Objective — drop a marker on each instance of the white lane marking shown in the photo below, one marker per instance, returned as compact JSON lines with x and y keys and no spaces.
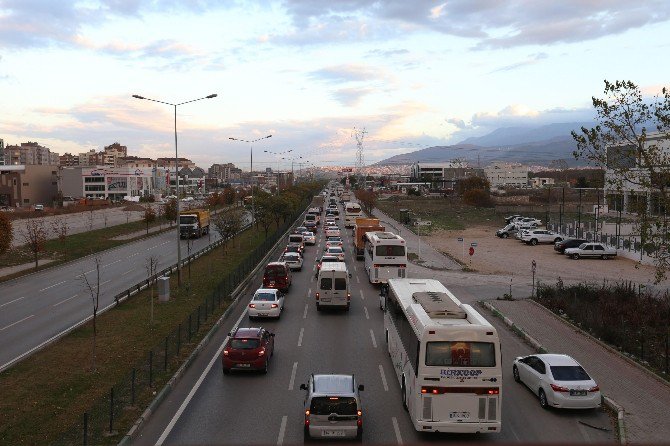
{"x":197,"y":385}
{"x":65,"y":300}
{"x":106,"y":281}
{"x":17,"y":322}
{"x":362,"y":296}
{"x":384,"y":383}
{"x":82,"y":275}
{"x":374,"y":341}
{"x":355,"y":268}
{"x":302,"y":332}
{"x":367,"y":316}
{"x":304,"y":315}
{"x":137,"y":253}
{"x":115,"y":261}
{"x":292,"y":381}
{"x":152,"y":247}
{"x":309,"y":293}
{"x":128,"y":272}
{"x":282,"y":429}
{"x":396,"y":428}
{"x":59,"y":283}
{"x":314,"y":267}
{"x":311,"y":279}
{"x":358,"y":280}
{"x":12,"y":301}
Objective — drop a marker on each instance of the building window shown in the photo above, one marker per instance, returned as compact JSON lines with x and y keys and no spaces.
{"x":26,"y":200}
{"x":94,"y":179}
{"x":54,"y":183}
{"x":26,"y":184}
{"x":95,"y":188}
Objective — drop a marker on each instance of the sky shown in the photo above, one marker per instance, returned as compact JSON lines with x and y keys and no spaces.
{"x":312,"y":73}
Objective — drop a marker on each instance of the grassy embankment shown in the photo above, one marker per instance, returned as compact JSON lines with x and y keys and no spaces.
{"x":48,"y":392}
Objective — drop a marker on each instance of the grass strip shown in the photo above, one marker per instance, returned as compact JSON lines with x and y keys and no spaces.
{"x":47,"y":393}
{"x":444,"y":213}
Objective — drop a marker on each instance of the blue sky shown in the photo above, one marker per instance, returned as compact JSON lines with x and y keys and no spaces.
{"x":413,"y":73}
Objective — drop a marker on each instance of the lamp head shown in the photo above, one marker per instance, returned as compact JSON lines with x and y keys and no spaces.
{"x":211,"y":96}
{"x":137,"y":96}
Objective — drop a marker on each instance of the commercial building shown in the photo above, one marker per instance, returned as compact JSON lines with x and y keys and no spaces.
{"x":113,"y":183}
{"x":538,"y":182}
{"x":442,"y":175}
{"x":26,"y":185}
{"x":501,"y":174}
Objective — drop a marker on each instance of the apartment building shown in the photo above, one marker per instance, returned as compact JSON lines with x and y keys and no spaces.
{"x":501,"y":174}
{"x":24,"y":185}
{"x":29,"y":153}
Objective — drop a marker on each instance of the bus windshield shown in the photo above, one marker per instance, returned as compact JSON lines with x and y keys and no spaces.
{"x":460,"y":354}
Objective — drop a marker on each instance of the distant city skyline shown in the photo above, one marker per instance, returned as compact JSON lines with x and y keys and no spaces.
{"x":414,"y":74}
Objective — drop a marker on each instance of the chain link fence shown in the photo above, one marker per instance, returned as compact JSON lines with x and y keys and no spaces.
{"x":110,"y":417}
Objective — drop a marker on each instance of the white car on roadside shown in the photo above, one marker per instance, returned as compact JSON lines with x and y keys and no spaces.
{"x":528,"y":223}
{"x":266,"y":302}
{"x":591,"y":250}
{"x":557,"y":380}
{"x":535,"y":236}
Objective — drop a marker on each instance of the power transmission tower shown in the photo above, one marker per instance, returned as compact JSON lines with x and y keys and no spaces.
{"x":359,"y":135}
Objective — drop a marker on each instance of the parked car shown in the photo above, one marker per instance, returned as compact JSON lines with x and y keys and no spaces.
{"x":591,"y":250}
{"x":266,"y":302}
{"x":336,"y":251}
{"x":508,"y":231}
{"x":310,"y":238}
{"x":277,"y":275}
{"x":558,"y":381}
{"x":568,"y":243}
{"x":293,"y":260}
{"x":509,"y":219}
{"x":332,"y":407}
{"x":528,"y":223}
{"x":39,"y":207}
{"x":520,"y":233}
{"x":535,"y":236}
{"x":248,"y":349}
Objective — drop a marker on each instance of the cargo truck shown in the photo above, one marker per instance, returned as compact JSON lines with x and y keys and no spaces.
{"x":193,"y":223}
{"x":317,"y":202}
{"x":361,"y":226}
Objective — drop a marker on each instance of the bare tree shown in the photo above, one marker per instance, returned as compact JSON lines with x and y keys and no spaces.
{"x":61,"y":228}
{"x":228,"y":224}
{"x":159,"y":215}
{"x":151,"y":267}
{"x":105,"y":216}
{"x":149,"y":216}
{"x":94,"y":292}
{"x":189,"y":246}
{"x":6,"y":234}
{"x":35,"y":237}
{"x":170,"y":211}
{"x":90,"y":219}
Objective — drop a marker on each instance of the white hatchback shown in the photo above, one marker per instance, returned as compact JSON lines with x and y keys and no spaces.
{"x":336,"y":251}
{"x":267,"y":302}
{"x":558,"y":380}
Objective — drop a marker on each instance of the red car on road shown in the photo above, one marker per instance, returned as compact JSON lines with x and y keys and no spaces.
{"x":248,"y":349}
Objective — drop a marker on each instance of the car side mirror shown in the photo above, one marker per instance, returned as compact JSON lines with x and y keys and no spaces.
{"x":303,"y":387}
{"x":350,"y":276}
{"x":361,"y":387}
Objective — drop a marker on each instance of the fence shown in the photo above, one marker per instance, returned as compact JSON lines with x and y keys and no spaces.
{"x":630,"y":243}
{"x":115,"y":412}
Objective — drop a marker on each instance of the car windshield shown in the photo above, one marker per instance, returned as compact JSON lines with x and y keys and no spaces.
{"x":265,"y":297}
{"x":569,"y":373}
{"x":244,"y":344}
{"x":582,"y":246}
{"x":324,"y":405}
{"x":335,"y":249}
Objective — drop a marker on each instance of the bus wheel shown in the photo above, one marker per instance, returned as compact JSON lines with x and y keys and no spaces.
{"x":404,"y":394}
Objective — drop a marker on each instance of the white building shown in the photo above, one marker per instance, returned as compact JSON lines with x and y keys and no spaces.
{"x":501,"y":174}
{"x":538,"y":182}
{"x":112,"y":183}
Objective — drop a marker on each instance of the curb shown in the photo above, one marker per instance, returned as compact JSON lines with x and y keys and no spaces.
{"x":172,"y":382}
{"x":608,"y":402}
{"x":603,"y":344}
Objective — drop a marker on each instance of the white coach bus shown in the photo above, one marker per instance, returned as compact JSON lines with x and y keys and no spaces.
{"x":385,"y":256}
{"x":351,"y":212}
{"x":446,"y":357}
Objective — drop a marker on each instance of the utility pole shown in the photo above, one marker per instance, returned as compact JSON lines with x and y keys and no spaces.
{"x":359,"y":135}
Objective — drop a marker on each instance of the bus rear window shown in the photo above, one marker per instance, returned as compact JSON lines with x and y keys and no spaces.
{"x":460,"y":354}
{"x":390,"y":250}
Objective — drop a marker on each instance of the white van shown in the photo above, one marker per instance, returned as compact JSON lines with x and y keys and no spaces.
{"x":333,"y":286}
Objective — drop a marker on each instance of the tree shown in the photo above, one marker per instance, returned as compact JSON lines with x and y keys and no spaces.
{"x":35,"y":237}
{"x":470,"y":183}
{"x":622,"y":143}
{"x":6,"y":234}
{"x":60,"y":227}
{"x":213,"y":200}
{"x":477,"y":197}
{"x":228,"y":196}
{"x":264,"y":211}
{"x":170,"y":211}
{"x":367,"y":200}
{"x":94,"y":292}
{"x":149,"y":216}
{"x":228,"y":224}
{"x":151,"y":266}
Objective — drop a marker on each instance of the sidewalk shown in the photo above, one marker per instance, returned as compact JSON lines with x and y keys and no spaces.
{"x":429,"y":257}
{"x":645,"y":399}
{"x":26,"y":266}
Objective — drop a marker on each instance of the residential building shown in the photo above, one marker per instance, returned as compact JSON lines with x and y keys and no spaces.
{"x":26,"y":185}
{"x":538,"y":182}
{"x":113,"y":183}
{"x":501,"y":174}
{"x":2,"y":152}
{"x":169,"y":162}
{"x":112,"y":153}
{"x":91,"y":158}
{"x":223,"y":172}
{"x":68,"y":160}
{"x":30,"y":153}
{"x":136,"y":161}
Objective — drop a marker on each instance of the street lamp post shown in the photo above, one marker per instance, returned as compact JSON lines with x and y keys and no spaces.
{"x":278,"y":155}
{"x":251,"y":170}
{"x":176,"y":168}
{"x":292,"y":160}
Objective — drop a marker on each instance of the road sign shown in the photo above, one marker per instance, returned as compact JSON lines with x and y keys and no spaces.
{"x":422,"y":223}
{"x":534,"y":265}
{"x":460,"y":239}
{"x":471,"y":251}
{"x":473,"y":244}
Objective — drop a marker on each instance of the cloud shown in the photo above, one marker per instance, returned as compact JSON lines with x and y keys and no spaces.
{"x":388,"y":53}
{"x":350,"y":96}
{"x":346,"y":73}
{"x":532,"y":59}
{"x":459,"y":123}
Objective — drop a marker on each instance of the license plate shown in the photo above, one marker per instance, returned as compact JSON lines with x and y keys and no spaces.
{"x":243,"y":365}
{"x":459,"y":415}
{"x":333,"y":433}
{"x":262,"y":314}
{"x":325,"y":300}
{"x":578,"y":393}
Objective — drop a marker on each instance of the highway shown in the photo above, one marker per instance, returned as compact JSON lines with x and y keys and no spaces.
{"x":207,"y":407}
{"x":37,"y":307}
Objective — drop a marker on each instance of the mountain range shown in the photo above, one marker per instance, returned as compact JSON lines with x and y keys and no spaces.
{"x":537,"y":146}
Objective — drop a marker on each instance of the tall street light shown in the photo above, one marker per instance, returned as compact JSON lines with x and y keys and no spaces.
{"x":278,"y":155}
{"x":176,"y":168}
{"x":295,"y":158}
{"x":251,"y":170}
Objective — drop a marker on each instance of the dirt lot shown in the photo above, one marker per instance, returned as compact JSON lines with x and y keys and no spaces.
{"x":512,"y":257}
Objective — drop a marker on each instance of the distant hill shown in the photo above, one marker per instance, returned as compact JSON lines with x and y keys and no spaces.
{"x":527,"y":145}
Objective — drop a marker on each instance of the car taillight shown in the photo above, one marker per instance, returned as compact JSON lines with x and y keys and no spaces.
{"x":348,"y":296}
{"x":317,"y":296}
{"x":594,"y":389}
{"x":307,"y":418}
{"x":226,"y":352}
{"x":274,"y":306}
{"x":556,"y":388}
{"x":360,"y":418}
{"x":261,"y":352}
{"x":252,"y":305}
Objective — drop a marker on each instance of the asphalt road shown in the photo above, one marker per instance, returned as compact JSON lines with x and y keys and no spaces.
{"x":207,"y":407}
{"x":39,"y":306}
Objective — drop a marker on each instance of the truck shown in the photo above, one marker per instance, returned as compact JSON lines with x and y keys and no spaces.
{"x":361,"y":226}
{"x":317,"y":202}
{"x":194,"y":223}
{"x":345,"y":197}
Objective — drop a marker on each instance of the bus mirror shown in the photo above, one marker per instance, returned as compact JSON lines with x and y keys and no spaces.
{"x":361,"y":387}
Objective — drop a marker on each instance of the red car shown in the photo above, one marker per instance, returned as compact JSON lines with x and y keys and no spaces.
{"x":277,"y":275}
{"x":248,"y":349}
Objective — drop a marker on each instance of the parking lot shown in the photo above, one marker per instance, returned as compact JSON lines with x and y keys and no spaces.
{"x":493,"y":255}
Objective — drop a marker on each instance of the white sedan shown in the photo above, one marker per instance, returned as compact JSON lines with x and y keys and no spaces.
{"x":293,"y":260}
{"x":309,"y":238}
{"x":336,"y":251}
{"x":332,"y":231}
{"x":267,"y":302}
{"x":558,"y":380}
